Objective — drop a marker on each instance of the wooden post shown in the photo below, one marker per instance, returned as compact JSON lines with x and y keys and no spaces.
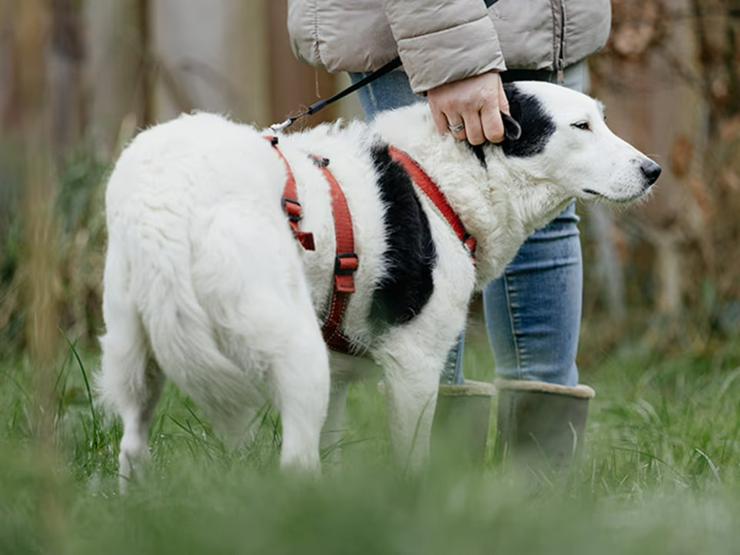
{"x":32,"y":41}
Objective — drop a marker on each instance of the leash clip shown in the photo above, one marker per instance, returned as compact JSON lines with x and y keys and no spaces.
{"x":321,"y":104}
{"x":277,"y":127}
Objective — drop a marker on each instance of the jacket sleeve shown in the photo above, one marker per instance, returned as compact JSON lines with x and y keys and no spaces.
{"x":441,"y":41}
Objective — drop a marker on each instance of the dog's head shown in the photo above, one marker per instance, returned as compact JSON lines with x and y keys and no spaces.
{"x":565,"y":141}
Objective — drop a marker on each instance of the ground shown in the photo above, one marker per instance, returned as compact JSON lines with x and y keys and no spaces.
{"x":660,"y":475}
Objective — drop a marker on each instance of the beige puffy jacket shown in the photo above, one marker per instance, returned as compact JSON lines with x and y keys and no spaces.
{"x":440,"y":41}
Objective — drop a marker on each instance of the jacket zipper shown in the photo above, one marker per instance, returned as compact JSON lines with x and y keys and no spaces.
{"x":560,"y":54}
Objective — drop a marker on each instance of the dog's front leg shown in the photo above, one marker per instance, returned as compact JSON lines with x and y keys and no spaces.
{"x":412,"y":381}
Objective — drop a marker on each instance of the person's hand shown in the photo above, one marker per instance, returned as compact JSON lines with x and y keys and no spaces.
{"x":474,"y":102}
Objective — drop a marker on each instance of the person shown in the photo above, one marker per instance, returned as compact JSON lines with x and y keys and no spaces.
{"x":456,"y":55}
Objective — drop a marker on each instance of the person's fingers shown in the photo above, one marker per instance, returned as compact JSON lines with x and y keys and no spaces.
{"x":456,"y":126}
{"x":473,"y":129}
{"x":493,"y":127}
{"x":503,"y":102}
{"x":440,"y":121}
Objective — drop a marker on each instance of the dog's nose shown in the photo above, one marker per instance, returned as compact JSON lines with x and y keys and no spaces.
{"x":651,"y":171}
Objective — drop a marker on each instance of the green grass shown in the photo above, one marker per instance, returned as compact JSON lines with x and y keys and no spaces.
{"x":661,"y":475}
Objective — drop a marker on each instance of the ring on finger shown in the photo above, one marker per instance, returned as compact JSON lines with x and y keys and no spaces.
{"x":456,"y":128}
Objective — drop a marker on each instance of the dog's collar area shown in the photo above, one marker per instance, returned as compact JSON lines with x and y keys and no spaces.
{"x":427,"y":185}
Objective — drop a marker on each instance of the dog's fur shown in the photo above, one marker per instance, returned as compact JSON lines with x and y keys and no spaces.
{"x":205,"y":284}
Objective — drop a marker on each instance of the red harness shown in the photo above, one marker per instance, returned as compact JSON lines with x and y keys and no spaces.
{"x":346,"y":261}
{"x":430,"y":189}
{"x":292,"y":208}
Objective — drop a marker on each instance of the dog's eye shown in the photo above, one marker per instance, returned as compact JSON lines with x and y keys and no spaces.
{"x":584,"y":125}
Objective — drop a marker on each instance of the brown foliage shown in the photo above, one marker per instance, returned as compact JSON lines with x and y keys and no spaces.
{"x":635,"y":27}
{"x":681,"y":155}
{"x":682,"y":57}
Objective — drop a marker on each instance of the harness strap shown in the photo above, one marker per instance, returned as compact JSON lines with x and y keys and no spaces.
{"x":346,"y":263}
{"x":292,"y":208}
{"x":430,"y":189}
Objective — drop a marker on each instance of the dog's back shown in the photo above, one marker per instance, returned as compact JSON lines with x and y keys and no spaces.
{"x":192,"y":205}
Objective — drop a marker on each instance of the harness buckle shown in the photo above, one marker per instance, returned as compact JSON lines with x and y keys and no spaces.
{"x":320,"y":161}
{"x":346,"y":264}
{"x":292,"y":209}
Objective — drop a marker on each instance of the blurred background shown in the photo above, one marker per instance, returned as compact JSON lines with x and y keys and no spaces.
{"x":660,"y":338}
{"x":79,"y":78}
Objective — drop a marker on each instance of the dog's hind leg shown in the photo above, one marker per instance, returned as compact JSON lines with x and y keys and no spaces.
{"x":253,"y":287}
{"x":301,"y":392}
{"x":130,"y":382}
{"x":137,"y":415}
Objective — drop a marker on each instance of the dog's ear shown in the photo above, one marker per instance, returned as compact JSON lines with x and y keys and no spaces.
{"x":512,"y":132}
{"x":512,"y":129}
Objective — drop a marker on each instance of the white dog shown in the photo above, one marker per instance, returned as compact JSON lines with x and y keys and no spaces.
{"x":205,"y":283}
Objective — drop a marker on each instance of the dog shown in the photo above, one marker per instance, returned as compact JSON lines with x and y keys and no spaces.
{"x":206,"y":285}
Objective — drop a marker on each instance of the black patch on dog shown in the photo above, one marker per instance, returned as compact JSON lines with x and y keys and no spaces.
{"x":479,"y":153}
{"x":410,"y":253}
{"x":537,"y":126}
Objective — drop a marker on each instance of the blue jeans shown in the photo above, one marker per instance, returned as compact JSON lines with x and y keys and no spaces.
{"x":533,"y":311}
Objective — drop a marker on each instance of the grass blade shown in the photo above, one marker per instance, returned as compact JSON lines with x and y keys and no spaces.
{"x":88,"y":389}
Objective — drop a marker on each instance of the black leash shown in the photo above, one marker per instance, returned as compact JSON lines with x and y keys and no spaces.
{"x":511,"y":127}
{"x":321,"y":104}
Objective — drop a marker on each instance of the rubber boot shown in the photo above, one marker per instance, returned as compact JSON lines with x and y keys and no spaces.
{"x":462,"y":422}
{"x":540,"y":425}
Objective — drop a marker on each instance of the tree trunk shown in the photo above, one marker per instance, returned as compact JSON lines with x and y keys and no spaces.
{"x":33,"y":32}
{"x":32,"y":44}
{"x":609,"y":272}
{"x":66,"y":75}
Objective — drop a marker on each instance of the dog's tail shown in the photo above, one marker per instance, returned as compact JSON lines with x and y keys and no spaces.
{"x":155,"y":325}
{"x":126,"y":384}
